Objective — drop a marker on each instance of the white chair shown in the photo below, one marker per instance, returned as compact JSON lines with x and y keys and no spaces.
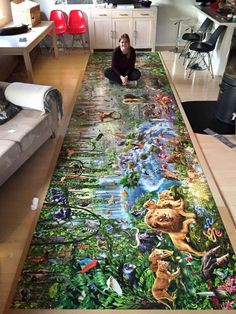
{"x":178,"y":21}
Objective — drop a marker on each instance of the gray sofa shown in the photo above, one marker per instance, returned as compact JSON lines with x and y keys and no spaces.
{"x":22,"y":135}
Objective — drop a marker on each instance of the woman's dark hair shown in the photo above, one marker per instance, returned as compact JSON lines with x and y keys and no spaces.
{"x":126,"y":37}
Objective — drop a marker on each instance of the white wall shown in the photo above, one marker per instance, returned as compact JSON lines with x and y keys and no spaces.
{"x":166,"y":30}
{"x":47,"y":5}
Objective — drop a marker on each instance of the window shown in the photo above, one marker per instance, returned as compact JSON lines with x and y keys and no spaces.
{"x":5,"y":12}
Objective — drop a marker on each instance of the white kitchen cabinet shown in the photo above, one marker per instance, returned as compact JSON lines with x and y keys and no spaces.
{"x":107,"y":25}
{"x":121,"y":23}
{"x":142,"y":33}
{"x":100,"y":28}
{"x":143,"y":26}
{"x":121,"y":26}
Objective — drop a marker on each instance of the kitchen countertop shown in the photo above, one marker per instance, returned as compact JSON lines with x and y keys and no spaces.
{"x":215,"y":15}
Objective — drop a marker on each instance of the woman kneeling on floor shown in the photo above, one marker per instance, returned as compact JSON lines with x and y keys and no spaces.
{"x":123,"y":61}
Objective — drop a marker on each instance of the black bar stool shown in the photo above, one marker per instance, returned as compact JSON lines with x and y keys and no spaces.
{"x":200,"y":59}
{"x":199,"y":35}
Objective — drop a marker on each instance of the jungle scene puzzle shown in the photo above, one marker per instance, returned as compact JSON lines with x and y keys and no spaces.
{"x":129,"y":221}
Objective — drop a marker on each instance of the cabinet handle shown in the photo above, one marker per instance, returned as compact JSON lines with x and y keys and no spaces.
{"x":144,"y":14}
{"x":113,"y":34}
{"x":123,"y":14}
{"x":102,"y":14}
{"x":135,"y":37}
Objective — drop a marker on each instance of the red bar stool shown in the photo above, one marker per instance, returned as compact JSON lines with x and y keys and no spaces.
{"x":59,"y":18}
{"x":76,"y":26}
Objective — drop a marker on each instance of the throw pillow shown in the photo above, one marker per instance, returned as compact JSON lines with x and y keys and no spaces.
{"x":18,"y":94}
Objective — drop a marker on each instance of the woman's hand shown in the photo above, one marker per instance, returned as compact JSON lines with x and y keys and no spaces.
{"x":124,"y":79}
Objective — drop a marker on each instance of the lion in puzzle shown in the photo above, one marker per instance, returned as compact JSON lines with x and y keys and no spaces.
{"x":158,"y":255}
{"x":162,"y":281}
{"x":167,"y":216}
{"x":160,"y":266}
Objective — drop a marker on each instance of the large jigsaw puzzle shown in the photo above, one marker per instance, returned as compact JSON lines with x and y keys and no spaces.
{"x":129,"y":221}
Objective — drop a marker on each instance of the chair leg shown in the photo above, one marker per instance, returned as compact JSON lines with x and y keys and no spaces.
{"x":207,"y":63}
{"x":61,"y":41}
{"x":82,"y":39}
{"x":187,"y":53}
{"x":64,"y":42}
{"x":198,"y":60}
{"x":194,"y":62}
{"x":184,"y":51}
{"x":78,"y":37}
{"x":179,"y":23}
{"x":73,"y":40}
{"x":43,"y":44}
{"x":210,"y":65}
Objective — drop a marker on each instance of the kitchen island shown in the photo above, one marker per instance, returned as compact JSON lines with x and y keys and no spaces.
{"x":220,"y":54}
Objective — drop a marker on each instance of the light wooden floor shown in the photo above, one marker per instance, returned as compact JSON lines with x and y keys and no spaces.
{"x":220,"y":158}
{"x":17,"y":220}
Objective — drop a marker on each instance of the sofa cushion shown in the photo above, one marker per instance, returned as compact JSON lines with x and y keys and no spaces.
{"x":26,"y":128}
{"x":9,"y":152}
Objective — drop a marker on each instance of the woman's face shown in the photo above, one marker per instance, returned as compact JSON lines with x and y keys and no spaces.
{"x":124,"y":45}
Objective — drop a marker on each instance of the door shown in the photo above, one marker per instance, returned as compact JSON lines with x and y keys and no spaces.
{"x":101,"y":32}
{"x":142,"y":37}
